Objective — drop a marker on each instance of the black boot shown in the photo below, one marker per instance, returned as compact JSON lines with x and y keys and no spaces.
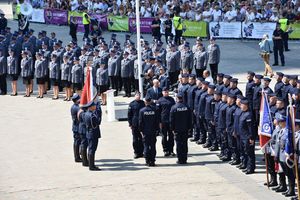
{"x":291,"y":191}
{"x":273,"y":181}
{"x":85,"y":161}
{"x":76,"y":153}
{"x":92,"y":166}
{"x":282,"y":187}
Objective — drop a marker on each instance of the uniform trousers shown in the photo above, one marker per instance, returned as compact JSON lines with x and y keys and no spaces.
{"x":149,"y":148}
{"x":256,"y":121}
{"x":137,"y":141}
{"x":114,"y":82}
{"x":248,"y":154}
{"x":289,"y":173}
{"x":278,"y":49}
{"x":173,"y":77}
{"x":211,"y":133}
{"x":178,"y":35}
{"x":167,"y":138}
{"x":76,"y":137}
{"x":203,"y":129}
{"x":181,"y":145}
{"x":92,"y":145}
{"x":232,"y":146}
{"x":271,"y":165}
{"x":84,"y":141}
{"x":86,"y":30}
{"x":127,"y":85}
{"x":3,"y":85}
{"x":224,"y":143}
{"x":285,"y":40}
{"x":196,"y":135}
{"x":214,"y":71}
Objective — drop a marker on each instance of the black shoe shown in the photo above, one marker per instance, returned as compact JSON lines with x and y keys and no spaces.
{"x":3,"y":93}
{"x":243,"y":167}
{"x":236,"y":162}
{"x":85,"y":161}
{"x":281,"y":189}
{"x":200,"y":142}
{"x":282,"y":64}
{"x":172,"y":154}
{"x":206,"y":145}
{"x":181,"y":162}
{"x":249,"y":172}
{"x":166,"y":154}
{"x":193,"y":140}
{"x":76,"y":153}
{"x":92,"y":166}
{"x":276,"y":188}
{"x":245,"y":170}
{"x":288,"y":50}
{"x":78,"y":160}
{"x":136,"y":156}
{"x":214,"y":148}
{"x":273,"y":184}
{"x":275,"y":64}
{"x":226,"y":159}
{"x":125,"y":95}
{"x":230,"y":162}
{"x":152,"y":164}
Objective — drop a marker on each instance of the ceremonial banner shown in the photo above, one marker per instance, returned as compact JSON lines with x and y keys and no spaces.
{"x":256,"y":30}
{"x":290,"y":122}
{"x":37,"y":16}
{"x":145,"y":24}
{"x":195,"y":29}
{"x":55,"y":16}
{"x":295,"y":31}
{"x":102,"y":19}
{"x":225,"y":29}
{"x":88,"y":88}
{"x":265,"y":124}
{"x":118,"y":23}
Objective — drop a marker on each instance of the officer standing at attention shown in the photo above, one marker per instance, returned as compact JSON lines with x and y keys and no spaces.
{"x":249,"y":88}
{"x":82,"y":133}
{"x":256,"y":101}
{"x":278,"y":36}
{"x":208,"y":116}
{"x":3,"y":71}
{"x":247,"y":137}
{"x":214,"y":55}
{"x":126,"y":68}
{"x":148,"y":126}
{"x":164,"y":105}
{"x":201,"y":114}
{"x":173,"y":61}
{"x":113,"y":70}
{"x":75,"y":127}
{"x":221,"y":124}
{"x":92,"y":121}
{"x":133,"y":119}
{"x":180,"y":124}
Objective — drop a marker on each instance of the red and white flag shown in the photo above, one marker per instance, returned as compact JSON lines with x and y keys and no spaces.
{"x":88,"y":88}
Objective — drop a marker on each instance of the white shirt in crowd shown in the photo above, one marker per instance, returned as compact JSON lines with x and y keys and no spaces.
{"x":206,"y":16}
{"x":210,"y":80}
{"x":230,"y":15}
{"x":217,"y":15}
{"x":274,"y":18}
{"x":198,"y":16}
{"x":74,"y":5}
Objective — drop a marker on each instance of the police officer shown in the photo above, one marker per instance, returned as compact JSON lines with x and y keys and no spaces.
{"x":77,"y":76}
{"x":208,"y":116}
{"x":278,"y":36}
{"x":40,"y":71}
{"x":279,"y":84}
{"x":148,"y":126}
{"x":184,"y":86}
{"x":237,"y":151}
{"x":220,"y":83}
{"x":164,"y":105}
{"x":126,"y":72}
{"x":233,"y":87}
{"x":198,"y":92}
{"x":249,"y":88}
{"x":186,"y":60}
{"x":214,"y":122}
{"x":173,"y":63}
{"x":3,"y":72}
{"x":168,"y":27}
{"x":221,"y":125}
{"x":213,"y":58}
{"x":180,"y":124}
{"x":200,"y":60}
{"x":133,"y":119}
{"x":82,"y":132}
{"x":201,"y":114}
{"x":102,"y":81}
{"x":12,"y":70}
{"x":231,"y":140}
{"x":66,"y":77}
{"x":92,"y":119}
{"x":26,"y":67}
{"x":75,"y":127}
{"x":256,"y":101}
{"x":113,"y":70}
{"x":226,"y":86}
{"x":54,"y":75}
{"x":247,"y":137}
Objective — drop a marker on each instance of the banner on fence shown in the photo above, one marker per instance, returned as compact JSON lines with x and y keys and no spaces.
{"x":37,"y":16}
{"x":255,"y":30}
{"x":144,"y":22}
{"x":225,"y":29}
{"x":117,"y":23}
{"x":54,"y":16}
{"x":195,"y":29}
{"x":295,"y":31}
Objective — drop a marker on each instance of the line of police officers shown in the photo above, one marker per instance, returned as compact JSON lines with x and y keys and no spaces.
{"x":215,"y":115}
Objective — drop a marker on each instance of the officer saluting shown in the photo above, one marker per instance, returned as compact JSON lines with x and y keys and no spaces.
{"x":149,"y":125}
{"x":133,"y":119}
{"x":92,"y":121}
{"x":75,"y":127}
{"x":180,"y":124}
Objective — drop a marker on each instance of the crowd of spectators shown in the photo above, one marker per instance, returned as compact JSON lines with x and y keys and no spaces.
{"x":196,"y":10}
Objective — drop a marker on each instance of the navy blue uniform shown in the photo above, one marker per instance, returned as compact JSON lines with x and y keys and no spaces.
{"x":92,"y":120}
{"x":249,"y":92}
{"x":164,"y":105}
{"x":149,"y":125}
{"x":238,"y":150}
{"x":221,"y":124}
{"x":278,"y":89}
{"x":231,"y":141}
{"x":180,"y":124}
{"x":75,"y":129}
{"x":208,"y":116}
{"x":82,"y":133}
{"x":202,"y":122}
{"x":133,"y":120}
{"x":256,"y":106}
{"x":217,"y":105}
{"x":245,"y":130}
{"x":198,"y":93}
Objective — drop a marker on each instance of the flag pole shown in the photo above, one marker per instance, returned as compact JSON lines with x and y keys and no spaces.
{"x":292,"y":113}
{"x":267,"y":170}
{"x":139,"y":51}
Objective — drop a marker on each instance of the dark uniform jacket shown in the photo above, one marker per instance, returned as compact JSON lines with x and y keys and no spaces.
{"x":75,"y":122}
{"x":154,"y":95}
{"x":245,"y":126}
{"x":209,"y":107}
{"x":180,"y":118}
{"x":92,"y":121}
{"x":164,"y":105}
{"x":3,"y":65}
{"x":230,"y":118}
{"x":173,"y":61}
{"x":149,"y":121}
{"x":278,"y":89}
{"x":191,"y":96}
{"x":222,"y":115}
{"x":133,"y":112}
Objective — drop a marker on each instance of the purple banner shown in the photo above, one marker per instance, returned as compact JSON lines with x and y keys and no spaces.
{"x":145,"y":25}
{"x":54,"y":16}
